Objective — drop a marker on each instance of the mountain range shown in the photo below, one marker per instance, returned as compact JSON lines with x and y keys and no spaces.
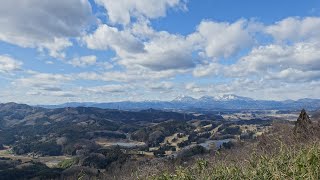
{"x":223,"y":102}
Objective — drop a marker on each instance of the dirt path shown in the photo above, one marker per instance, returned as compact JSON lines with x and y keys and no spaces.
{"x":215,"y":130}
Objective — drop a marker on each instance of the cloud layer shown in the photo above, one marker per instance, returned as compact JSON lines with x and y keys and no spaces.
{"x":106,"y":50}
{"x":43,"y":24}
{"x":122,"y":11}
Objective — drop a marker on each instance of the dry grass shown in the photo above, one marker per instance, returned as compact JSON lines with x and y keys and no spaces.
{"x":278,"y":154}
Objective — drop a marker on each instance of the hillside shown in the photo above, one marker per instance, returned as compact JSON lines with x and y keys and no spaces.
{"x":72,"y":140}
{"x":316,"y":115}
{"x":29,"y":128}
{"x":282,"y":153}
{"x":91,"y":142}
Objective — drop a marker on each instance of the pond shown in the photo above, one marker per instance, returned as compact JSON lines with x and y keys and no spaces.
{"x":217,"y":143}
{"x":127,"y":144}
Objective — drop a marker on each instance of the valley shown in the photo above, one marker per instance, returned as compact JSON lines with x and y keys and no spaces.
{"x":102,"y":139}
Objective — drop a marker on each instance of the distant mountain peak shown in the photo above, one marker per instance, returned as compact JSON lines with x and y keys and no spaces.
{"x":225,"y":101}
{"x":229,"y":97}
{"x":225,"y":97}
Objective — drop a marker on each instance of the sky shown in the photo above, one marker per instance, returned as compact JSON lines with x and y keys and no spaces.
{"x":59,"y":51}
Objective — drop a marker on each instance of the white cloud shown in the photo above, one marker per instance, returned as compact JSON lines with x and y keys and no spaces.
{"x":267,"y":71}
{"x":140,"y":45}
{"x":47,"y":86}
{"x":143,"y":29}
{"x":121,"y":11}
{"x":43,"y":24}
{"x":162,"y":86}
{"x":268,"y":90}
{"x":295,"y":75}
{"x":106,"y":37}
{"x":106,"y":65}
{"x":208,"y":69}
{"x":51,"y":94}
{"x":56,"y":47}
{"x":222,"y":39}
{"x":111,"y":88}
{"x":148,"y":63}
{"x":195,"y":88}
{"x":157,"y":51}
{"x":295,"y":29}
{"x":65,"y":94}
{"x":275,"y":58}
{"x":133,"y":75}
{"x":42,"y":80}
{"x":163,"y":51}
{"x":84,"y":61}
{"x":8,"y":64}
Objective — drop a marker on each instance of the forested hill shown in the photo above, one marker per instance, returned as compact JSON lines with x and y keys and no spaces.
{"x":35,"y":129}
{"x":12,"y":114}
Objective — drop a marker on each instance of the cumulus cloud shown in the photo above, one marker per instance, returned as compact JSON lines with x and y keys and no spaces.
{"x":111,"y":88}
{"x":106,"y":37}
{"x":270,"y":66}
{"x":274,"y":58}
{"x":295,"y":29}
{"x":295,"y":75}
{"x":106,"y":65}
{"x":43,"y":81}
{"x":133,"y":75}
{"x":208,"y":69}
{"x":194,"y":88}
{"x":268,"y":90}
{"x":43,"y":24}
{"x":83,"y":61}
{"x":61,"y":94}
{"x":161,"y":86}
{"x":141,"y":45}
{"x":148,"y":62}
{"x":164,"y":52}
{"x":55,"y":47}
{"x":121,"y":11}
{"x":157,"y":51}
{"x":8,"y":64}
{"x":171,"y":51}
{"x":222,"y":39}
{"x":267,"y":72}
{"x":47,"y":85}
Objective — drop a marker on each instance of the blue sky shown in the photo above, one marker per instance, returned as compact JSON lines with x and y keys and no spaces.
{"x":103,"y":50}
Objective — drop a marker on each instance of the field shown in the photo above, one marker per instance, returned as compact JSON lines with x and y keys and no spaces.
{"x":50,"y":161}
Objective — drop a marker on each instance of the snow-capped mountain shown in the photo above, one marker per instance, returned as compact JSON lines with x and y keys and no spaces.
{"x":226,"y":97}
{"x":230,"y":97}
{"x":228,"y":101}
